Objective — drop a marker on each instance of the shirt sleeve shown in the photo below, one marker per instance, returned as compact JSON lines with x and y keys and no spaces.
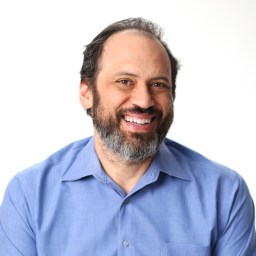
{"x":17,"y":237}
{"x":238,"y":238}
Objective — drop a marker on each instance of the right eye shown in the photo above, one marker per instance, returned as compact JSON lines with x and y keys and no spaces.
{"x":126,"y":82}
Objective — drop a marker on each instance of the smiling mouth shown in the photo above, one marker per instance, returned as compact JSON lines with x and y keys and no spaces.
{"x":139,"y":121}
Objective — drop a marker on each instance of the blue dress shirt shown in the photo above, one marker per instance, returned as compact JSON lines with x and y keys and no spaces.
{"x":184,"y":204}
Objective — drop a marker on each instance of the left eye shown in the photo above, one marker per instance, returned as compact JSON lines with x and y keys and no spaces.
{"x":160,"y":85}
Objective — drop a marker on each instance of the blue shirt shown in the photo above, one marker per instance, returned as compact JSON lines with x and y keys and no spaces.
{"x":184,"y":204}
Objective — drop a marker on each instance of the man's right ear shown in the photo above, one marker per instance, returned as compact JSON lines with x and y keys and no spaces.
{"x":85,"y":95}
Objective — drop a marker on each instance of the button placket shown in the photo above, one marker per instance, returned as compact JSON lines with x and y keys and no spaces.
{"x":125,"y":229}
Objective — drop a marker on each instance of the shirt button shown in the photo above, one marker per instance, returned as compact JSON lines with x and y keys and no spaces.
{"x":125,"y":243}
{"x":126,"y":201}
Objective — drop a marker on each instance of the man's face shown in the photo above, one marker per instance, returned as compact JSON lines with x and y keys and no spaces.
{"x":132,"y":102}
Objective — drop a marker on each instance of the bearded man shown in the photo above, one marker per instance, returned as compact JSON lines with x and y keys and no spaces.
{"x":128,"y":190}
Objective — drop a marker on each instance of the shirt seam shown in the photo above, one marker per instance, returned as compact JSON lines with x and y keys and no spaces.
{"x":27,"y":204}
{"x":9,"y":238}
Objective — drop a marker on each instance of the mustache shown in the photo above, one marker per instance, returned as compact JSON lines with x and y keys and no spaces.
{"x":139,"y":110}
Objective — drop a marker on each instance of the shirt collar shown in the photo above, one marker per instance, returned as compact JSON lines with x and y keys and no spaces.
{"x":85,"y":162}
{"x":79,"y":167}
{"x":169,"y":164}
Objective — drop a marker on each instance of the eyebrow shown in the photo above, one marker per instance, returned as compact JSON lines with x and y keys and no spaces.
{"x":161,"y":77}
{"x":121,"y":73}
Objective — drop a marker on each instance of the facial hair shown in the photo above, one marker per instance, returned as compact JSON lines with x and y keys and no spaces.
{"x":130,"y":146}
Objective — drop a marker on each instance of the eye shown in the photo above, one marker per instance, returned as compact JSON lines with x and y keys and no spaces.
{"x":126,"y":82}
{"x":160,"y":85}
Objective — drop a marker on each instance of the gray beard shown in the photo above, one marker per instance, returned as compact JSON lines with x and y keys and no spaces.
{"x":134,"y":148}
{"x":127,"y":150}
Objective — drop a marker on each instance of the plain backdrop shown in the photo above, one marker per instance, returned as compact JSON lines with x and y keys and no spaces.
{"x":41,"y":45}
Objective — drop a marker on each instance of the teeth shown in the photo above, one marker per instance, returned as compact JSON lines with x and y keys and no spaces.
{"x":137,"y":120}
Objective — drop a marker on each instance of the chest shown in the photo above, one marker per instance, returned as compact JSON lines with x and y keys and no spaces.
{"x":149,"y":222}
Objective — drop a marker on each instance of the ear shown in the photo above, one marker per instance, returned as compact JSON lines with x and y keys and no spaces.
{"x":85,"y":95}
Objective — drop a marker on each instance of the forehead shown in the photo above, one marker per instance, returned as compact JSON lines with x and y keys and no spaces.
{"x":132,"y":46}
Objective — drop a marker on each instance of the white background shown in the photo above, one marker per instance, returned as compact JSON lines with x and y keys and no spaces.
{"x":41,"y":45}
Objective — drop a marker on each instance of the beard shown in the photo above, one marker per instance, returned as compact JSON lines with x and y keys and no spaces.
{"x":130,"y":146}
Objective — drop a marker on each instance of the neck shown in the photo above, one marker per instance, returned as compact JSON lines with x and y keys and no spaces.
{"x":124,"y":172}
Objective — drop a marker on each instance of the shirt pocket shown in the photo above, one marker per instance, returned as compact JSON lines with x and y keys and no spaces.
{"x":180,"y":249}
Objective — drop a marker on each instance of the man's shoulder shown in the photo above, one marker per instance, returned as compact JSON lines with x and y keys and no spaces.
{"x":46,"y":176}
{"x":198,"y":164}
{"x":56,"y":163}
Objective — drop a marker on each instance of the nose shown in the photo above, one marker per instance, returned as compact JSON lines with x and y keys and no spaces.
{"x":142,"y":97}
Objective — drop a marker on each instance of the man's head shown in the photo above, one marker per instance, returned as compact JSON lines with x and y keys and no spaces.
{"x":93,"y":51}
{"x":128,"y":86}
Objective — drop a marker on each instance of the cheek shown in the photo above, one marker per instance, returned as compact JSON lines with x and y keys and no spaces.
{"x":116,"y":99}
{"x":165,"y":103}
{"x":110,"y":103}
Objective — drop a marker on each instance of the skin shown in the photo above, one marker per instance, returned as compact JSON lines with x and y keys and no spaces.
{"x":135,"y":71}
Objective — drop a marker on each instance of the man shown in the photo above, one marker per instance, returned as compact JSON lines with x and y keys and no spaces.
{"x":127,"y":190}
